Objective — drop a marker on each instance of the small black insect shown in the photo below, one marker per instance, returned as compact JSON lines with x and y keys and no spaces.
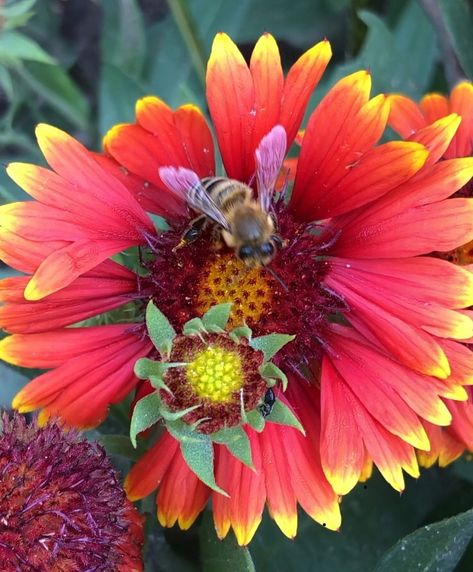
{"x":266,"y":407}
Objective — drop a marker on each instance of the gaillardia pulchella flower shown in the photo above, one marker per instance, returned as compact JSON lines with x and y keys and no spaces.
{"x":61,"y":504}
{"x":407,"y":117}
{"x":378,"y":323}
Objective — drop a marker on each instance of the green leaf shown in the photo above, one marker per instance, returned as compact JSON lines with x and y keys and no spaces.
{"x":118,"y":93}
{"x":402,"y":59}
{"x":282,"y":415}
{"x":241,"y":332}
{"x":52,"y":83}
{"x":18,"y":8}
{"x":119,"y":445}
{"x":193,"y":327}
{"x":458,"y":19}
{"x":14,"y":46}
{"x":255,"y":420}
{"x":6,"y":83}
{"x":198,"y":452}
{"x":269,"y":370}
{"x":216,"y":318}
{"x":218,"y":555}
{"x":160,"y":330}
{"x":432,"y":548}
{"x":12,"y":382}
{"x":146,"y":413}
{"x":236,"y":441}
{"x":124,"y":38}
{"x":270,"y":344}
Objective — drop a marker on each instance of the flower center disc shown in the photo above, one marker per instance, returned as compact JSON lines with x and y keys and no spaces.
{"x":215,"y":374}
{"x":227,"y":279}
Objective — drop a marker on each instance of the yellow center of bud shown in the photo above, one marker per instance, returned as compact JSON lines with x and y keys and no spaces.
{"x":215,"y":374}
{"x":227,"y":279}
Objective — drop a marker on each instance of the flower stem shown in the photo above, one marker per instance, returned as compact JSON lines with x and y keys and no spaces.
{"x":187,"y":29}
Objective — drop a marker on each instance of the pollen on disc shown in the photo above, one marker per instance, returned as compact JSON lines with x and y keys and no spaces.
{"x":227,"y":279}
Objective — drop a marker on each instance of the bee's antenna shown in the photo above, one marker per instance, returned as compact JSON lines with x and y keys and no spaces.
{"x":276,"y":277}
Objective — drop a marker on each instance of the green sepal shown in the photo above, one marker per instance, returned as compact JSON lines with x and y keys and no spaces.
{"x":216,"y":318}
{"x":198,"y":452}
{"x":145,"y":414}
{"x":255,"y":420}
{"x":160,"y":330}
{"x":193,"y":327}
{"x":146,"y":368}
{"x":271,"y":372}
{"x":236,"y":441}
{"x":270,"y":344}
{"x":240,"y":332}
{"x":175,"y":415}
{"x":282,"y":415}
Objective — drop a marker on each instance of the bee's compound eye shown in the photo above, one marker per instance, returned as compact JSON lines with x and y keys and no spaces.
{"x":246,"y":251}
{"x":266,"y":249}
{"x":191,"y":234}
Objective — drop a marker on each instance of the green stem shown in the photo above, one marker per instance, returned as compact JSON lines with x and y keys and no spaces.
{"x":187,"y":29}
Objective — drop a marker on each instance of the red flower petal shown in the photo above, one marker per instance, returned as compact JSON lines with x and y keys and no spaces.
{"x":341,"y":449}
{"x":443,"y":447}
{"x":182,"y":495}
{"x":243,"y":509}
{"x":281,"y":496}
{"x":79,"y":390}
{"x":146,"y":475}
{"x":104,"y":288}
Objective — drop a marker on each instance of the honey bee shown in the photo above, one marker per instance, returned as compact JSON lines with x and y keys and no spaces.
{"x":243,"y":222}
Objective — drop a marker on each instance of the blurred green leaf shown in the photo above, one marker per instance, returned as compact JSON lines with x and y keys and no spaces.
{"x":458,"y":18}
{"x":118,"y":445}
{"x":123,"y":38}
{"x":52,"y":83}
{"x":219,"y":555}
{"x":15,"y":47}
{"x":432,"y":548}
{"x":16,"y":14}
{"x":117,"y":96}
{"x":6,"y":83}
{"x":11,"y":381}
{"x":374,"y":517}
{"x":400,"y":60}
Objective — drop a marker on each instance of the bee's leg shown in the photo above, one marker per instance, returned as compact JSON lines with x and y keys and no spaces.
{"x":193,"y":232}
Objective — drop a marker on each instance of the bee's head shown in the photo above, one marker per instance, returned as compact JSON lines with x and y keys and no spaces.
{"x":256,"y":255}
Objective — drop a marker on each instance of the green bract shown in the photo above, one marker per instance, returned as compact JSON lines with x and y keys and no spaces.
{"x":197,"y":447}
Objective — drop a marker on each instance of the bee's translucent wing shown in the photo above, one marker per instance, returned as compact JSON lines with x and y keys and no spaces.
{"x":269,"y":159}
{"x":186,"y":184}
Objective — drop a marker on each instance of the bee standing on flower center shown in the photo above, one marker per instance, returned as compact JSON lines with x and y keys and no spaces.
{"x":242,"y":222}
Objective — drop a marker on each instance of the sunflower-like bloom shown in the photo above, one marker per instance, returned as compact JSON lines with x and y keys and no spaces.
{"x":62,"y":506}
{"x":406,"y":117}
{"x":378,"y":324}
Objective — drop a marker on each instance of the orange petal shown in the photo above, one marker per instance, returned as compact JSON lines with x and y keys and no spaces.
{"x":405,"y":116}
{"x":461,"y":102}
{"x":434,"y":106}
{"x":301,"y":81}
{"x":321,"y":139}
{"x":182,"y":495}
{"x":341,"y":448}
{"x":268,"y":81}
{"x":146,"y":475}
{"x":437,"y":136}
{"x":231,"y":99}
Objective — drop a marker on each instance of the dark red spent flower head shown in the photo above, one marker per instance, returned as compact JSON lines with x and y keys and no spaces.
{"x":62,"y":507}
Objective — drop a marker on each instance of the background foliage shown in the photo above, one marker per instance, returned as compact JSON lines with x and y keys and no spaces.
{"x":81,"y":64}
